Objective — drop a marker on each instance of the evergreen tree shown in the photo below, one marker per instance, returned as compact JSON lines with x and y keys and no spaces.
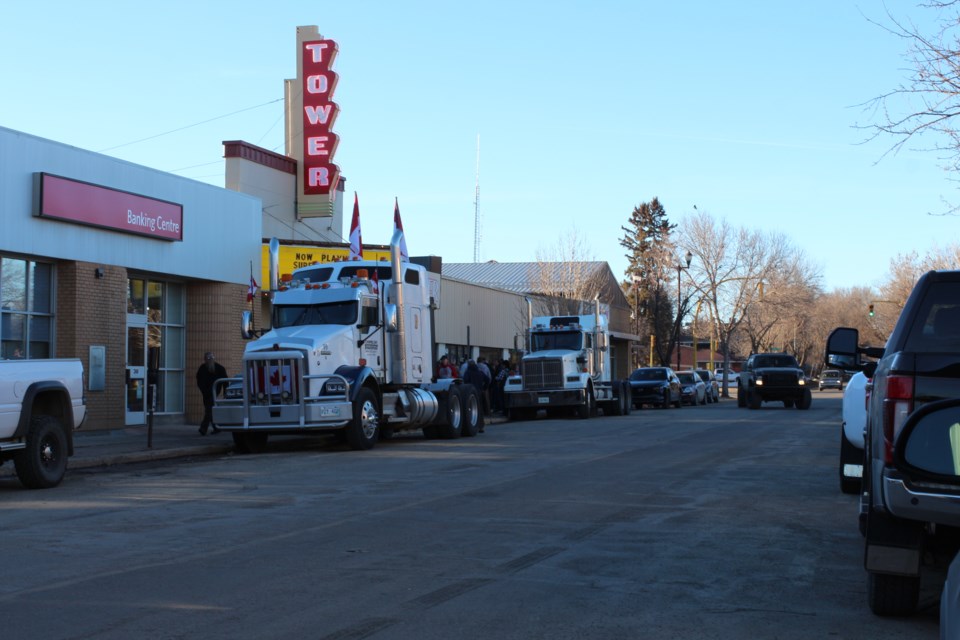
{"x":649,"y":248}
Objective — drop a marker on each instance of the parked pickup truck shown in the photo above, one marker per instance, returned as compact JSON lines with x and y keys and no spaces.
{"x":908,"y":515}
{"x":41,"y":403}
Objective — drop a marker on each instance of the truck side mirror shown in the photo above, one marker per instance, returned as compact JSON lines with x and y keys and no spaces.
{"x":246,"y":324}
{"x":842,"y":351}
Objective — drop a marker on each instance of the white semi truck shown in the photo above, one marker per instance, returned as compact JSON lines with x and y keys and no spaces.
{"x":566,"y":367}
{"x":350,"y":351}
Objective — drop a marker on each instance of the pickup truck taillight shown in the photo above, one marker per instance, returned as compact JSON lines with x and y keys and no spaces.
{"x":897,"y":405}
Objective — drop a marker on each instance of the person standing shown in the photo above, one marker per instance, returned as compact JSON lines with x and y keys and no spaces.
{"x":208,"y":373}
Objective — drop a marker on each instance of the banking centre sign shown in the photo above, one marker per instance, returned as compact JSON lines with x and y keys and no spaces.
{"x":98,"y":206}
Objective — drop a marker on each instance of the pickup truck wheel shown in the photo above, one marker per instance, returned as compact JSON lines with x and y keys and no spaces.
{"x":891,"y":595}
{"x":362,"y":432}
{"x":589,"y":406}
{"x":741,"y":397}
{"x":805,"y":400}
{"x":42,"y":464}
{"x":472,"y":413}
{"x":451,"y":413}
{"x":755,"y":400}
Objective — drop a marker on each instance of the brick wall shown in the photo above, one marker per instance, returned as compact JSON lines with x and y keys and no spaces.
{"x":93,"y":311}
{"x":213,"y":324}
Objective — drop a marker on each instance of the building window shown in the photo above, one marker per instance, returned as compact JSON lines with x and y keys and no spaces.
{"x":162,"y":305}
{"x":26,"y":304}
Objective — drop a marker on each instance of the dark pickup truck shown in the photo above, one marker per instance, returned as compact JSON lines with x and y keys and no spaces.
{"x":772,"y":377}
{"x":909,"y":508}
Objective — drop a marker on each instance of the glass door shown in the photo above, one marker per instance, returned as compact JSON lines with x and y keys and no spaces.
{"x":136,"y":374}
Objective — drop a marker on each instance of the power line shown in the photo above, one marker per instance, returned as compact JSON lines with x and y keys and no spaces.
{"x":189,"y":126}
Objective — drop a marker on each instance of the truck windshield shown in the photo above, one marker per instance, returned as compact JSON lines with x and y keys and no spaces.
{"x":330,"y":313}
{"x":571,"y":340}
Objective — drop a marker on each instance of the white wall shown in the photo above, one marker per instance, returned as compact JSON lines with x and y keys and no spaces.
{"x":221,"y":228}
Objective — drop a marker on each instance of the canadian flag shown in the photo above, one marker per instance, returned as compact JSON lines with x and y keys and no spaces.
{"x":398,"y":225}
{"x":356,"y":242}
{"x":252,"y":289}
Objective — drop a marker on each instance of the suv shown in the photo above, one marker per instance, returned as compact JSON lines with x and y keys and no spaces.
{"x":772,"y":377}
{"x":830,"y":379}
{"x":909,"y":510}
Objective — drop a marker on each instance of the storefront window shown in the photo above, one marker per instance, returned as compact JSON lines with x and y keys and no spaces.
{"x":135,"y":301}
{"x":26,"y":301}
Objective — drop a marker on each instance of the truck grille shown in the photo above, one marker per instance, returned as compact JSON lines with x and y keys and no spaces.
{"x":780,"y":379}
{"x":274,"y":381}
{"x":542,"y":374}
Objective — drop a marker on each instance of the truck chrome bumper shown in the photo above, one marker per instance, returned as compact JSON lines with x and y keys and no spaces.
{"x":315,"y":415}
{"x":917,"y":504}
{"x":552,"y":398}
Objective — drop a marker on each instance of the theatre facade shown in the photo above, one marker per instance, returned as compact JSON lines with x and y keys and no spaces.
{"x":134,"y":271}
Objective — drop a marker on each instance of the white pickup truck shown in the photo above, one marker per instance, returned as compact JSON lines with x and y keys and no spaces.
{"x":41,"y":403}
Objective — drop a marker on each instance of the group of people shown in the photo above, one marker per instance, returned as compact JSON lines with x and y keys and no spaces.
{"x":478,"y":373}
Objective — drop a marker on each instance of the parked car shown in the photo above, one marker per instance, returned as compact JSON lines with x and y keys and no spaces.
{"x":692,"y":389}
{"x":851,"y":433}
{"x":713,"y":387}
{"x":732,"y":377}
{"x":830,"y":379}
{"x":658,"y":386}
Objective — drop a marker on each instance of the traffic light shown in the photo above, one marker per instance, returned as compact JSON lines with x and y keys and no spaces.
{"x":871,"y":310}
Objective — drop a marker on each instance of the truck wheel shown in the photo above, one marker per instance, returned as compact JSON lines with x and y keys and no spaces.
{"x":472,"y":420}
{"x":891,"y":595}
{"x":589,"y":406}
{"x":42,"y":464}
{"x":741,"y":397}
{"x":755,"y":400}
{"x":362,"y":430}
{"x":451,"y":413}
{"x":250,"y":442}
{"x":849,"y":454}
{"x":805,"y":400}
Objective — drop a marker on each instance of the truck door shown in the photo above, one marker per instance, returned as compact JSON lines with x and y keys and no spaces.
{"x":415,"y":345}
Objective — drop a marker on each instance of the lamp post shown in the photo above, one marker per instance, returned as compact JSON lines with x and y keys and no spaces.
{"x":680,"y":267}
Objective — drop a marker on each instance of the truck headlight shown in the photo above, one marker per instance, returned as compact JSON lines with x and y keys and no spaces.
{"x":759,"y":381}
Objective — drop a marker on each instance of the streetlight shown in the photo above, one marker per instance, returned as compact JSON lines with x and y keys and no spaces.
{"x":680,"y":268}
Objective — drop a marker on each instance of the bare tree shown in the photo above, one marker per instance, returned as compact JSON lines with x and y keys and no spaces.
{"x":727,"y":269}
{"x":567,"y":278}
{"x":924,"y":107}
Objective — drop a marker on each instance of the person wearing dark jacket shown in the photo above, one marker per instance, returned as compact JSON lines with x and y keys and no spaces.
{"x":208,"y":373}
{"x":479,"y":377}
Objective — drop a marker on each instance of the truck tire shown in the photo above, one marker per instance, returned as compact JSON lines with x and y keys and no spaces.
{"x":891,"y":595}
{"x":362,"y":432}
{"x":741,"y":398}
{"x":472,"y":422}
{"x":755,"y":400}
{"x":451,"y":412}
{"x":250,"y":442}
{"x":44,"y":462}
{"x":588,"y":407}
{"x":804,"y":401}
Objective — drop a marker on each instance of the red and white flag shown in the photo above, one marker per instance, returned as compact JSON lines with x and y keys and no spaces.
{"x":252,"y":289}
{"x":356,"y":242}
{"x":404,"y":256}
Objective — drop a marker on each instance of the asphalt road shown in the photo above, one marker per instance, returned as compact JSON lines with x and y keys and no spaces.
{"x":700,"y":522}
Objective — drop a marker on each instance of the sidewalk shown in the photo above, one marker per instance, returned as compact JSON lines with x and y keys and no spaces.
{"x":104,"y":448}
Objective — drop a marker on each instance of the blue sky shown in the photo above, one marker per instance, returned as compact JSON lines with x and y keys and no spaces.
{"x":584,"y":110}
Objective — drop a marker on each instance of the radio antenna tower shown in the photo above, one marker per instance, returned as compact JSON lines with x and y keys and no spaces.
{"x":476,"y":209}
